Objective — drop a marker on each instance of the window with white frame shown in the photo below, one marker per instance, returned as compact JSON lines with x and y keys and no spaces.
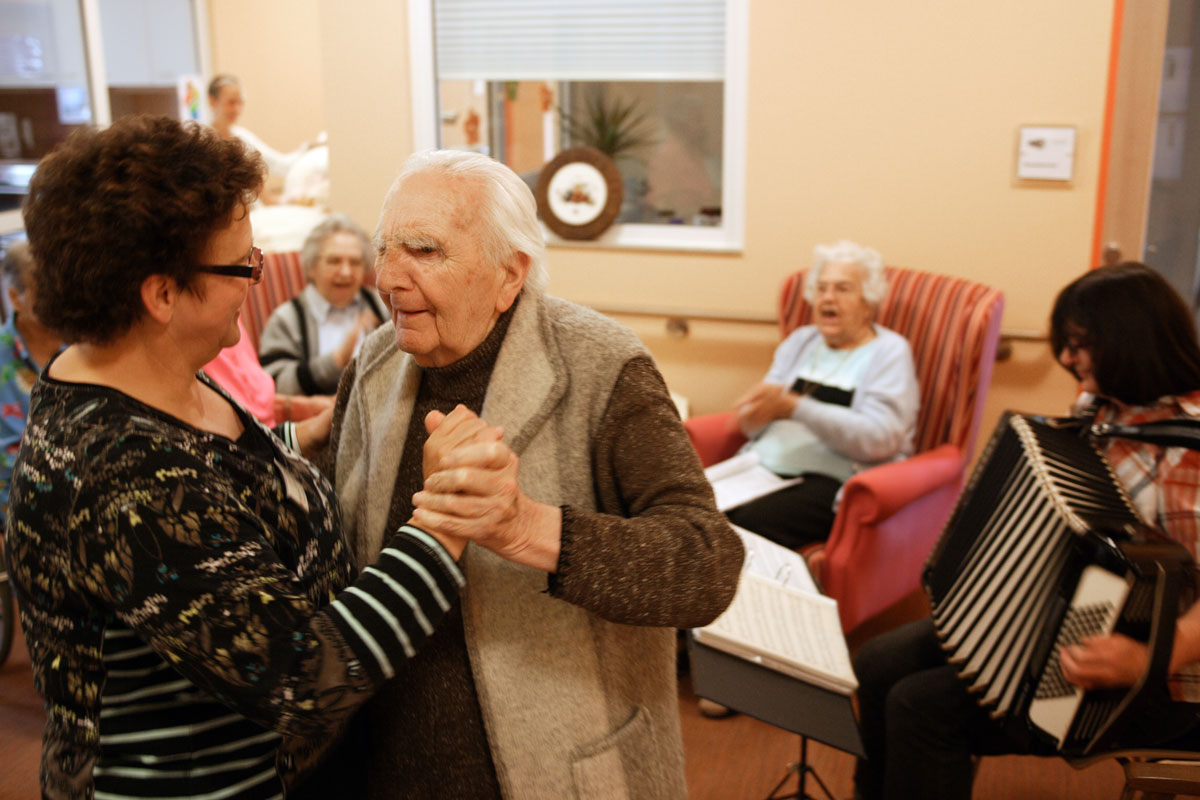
{"x":659,"y":86}
{"x":70,"y":63}
{"x":67,"y":63}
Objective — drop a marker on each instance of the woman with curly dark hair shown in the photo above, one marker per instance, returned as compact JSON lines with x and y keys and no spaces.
{"x":189,"y":606}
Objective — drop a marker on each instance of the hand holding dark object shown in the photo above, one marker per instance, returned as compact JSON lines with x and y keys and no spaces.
{"x":762,"y":404}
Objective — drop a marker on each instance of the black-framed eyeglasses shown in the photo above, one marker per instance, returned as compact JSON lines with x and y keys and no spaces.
{"x":1073,"y":346}
{"x":253,"y":270}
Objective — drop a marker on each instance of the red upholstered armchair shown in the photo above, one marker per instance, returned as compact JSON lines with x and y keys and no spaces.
{"x":891,"y":515}
{"x":283,"y":279}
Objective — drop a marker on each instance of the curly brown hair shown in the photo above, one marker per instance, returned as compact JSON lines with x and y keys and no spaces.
{"x":112,"y":207}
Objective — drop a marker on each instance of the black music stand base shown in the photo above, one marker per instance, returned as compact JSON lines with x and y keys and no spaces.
{"x":777,"y":699}
{"x":802,"y":769}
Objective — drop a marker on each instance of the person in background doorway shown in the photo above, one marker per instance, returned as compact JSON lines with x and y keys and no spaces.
{"x":226,"y":101}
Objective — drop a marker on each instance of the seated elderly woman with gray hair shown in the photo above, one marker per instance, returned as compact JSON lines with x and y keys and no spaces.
{"x":307,"y":342}
{"x":841,"y":395}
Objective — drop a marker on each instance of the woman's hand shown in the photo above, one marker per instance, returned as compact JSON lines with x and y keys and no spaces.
{"x":366,"y":322}
{"x":312,"y":433}
{"x":471,"y":491}
{"x":762,"y":405}
{"x":1104,"y":662}
{"x":460,"y":428}
{"x":297,"y":407}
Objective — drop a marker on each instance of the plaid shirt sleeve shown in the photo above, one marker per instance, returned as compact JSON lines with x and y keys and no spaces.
{"x":1164,"y":484}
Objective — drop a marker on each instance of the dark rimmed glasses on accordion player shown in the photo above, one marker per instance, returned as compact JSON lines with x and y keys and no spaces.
{"x":1073,"y":346}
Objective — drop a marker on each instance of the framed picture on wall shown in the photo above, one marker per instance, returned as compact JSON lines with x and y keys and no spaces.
{"x":579,"y":193}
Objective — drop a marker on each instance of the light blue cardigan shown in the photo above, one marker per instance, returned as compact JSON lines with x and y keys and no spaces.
{"x":880,"y":423}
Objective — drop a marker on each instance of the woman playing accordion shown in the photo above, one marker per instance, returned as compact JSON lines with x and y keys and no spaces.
{"x":1130,"y":340}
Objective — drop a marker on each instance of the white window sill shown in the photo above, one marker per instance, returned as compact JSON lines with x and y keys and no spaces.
{"x":656,"y":237}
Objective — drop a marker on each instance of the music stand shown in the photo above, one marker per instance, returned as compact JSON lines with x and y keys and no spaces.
{"x":779,"y":700}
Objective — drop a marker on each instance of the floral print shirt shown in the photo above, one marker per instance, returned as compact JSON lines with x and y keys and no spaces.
{"x":188,"y":599}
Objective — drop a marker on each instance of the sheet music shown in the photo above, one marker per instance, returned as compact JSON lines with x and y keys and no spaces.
{"x":793,"y":632}
{"x":775,"y":562}
{"x":778,"y":619}
{"x":742,"y":478}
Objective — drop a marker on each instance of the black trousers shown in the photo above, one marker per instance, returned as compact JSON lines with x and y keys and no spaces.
{"x":794,"y":516}
{"x":920,"y":728}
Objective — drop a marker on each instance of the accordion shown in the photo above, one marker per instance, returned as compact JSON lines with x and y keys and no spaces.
{"x":1043,"y":549}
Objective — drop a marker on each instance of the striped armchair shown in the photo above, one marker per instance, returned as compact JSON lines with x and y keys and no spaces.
{"x":891,"y":515}
{"x":282,"y":280}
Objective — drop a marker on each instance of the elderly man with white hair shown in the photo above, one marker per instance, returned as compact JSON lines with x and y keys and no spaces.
{"x":556,"y":678}
{"x":841,"y":395}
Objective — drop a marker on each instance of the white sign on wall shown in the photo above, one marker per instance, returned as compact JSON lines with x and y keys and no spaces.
{"x":1046,"y":152}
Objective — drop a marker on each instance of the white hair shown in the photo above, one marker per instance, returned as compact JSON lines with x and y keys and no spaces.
{"x":507,"y":210}
{"x":310,"y":251}
{"x":844,"y":251}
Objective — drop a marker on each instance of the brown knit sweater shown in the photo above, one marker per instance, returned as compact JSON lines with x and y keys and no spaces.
{"x":424,"y":731}
{"x":646,"y":547}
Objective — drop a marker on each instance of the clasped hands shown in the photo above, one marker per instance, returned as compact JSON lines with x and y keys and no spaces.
{"x":471,"y":493}
{"x":762,"y":404}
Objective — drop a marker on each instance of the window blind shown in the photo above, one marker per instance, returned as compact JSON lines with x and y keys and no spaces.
{"x":580,"y":40}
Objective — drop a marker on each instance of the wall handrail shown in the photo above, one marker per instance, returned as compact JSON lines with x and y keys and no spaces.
{"x":687,"y":314}
{"x":678,"y":318}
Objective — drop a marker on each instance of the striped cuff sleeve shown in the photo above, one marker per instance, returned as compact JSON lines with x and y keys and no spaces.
{"x":287,"y":432}
{"x":397,"y":602}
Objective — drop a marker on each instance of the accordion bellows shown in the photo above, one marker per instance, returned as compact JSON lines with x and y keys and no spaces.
{"x":1043,"y":548}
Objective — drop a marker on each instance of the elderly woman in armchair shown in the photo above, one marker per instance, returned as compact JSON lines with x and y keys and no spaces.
{"x":308,"y":342}
{"x":841,"y":395}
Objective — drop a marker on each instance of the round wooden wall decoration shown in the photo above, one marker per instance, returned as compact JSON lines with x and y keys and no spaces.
{"x":579,"y":193}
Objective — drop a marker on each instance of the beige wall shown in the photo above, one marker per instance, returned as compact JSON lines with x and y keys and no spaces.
{"x":274,"y":48}
{"x":367,"y":100}
{"x":867,"y":120}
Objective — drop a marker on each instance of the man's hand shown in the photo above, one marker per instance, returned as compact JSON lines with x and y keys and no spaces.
{"x":471,"y":491}
{"x":460,"y":428}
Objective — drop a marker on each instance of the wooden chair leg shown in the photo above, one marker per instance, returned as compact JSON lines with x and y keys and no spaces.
{"x":1160,"y":780}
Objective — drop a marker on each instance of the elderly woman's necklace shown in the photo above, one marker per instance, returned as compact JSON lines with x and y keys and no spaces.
{"x":805,"y":387}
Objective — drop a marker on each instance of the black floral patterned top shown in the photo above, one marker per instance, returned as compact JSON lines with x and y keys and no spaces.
{"x":187,"y":600}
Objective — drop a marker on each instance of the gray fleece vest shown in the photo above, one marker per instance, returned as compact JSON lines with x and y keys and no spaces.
{"x":574,"y":705}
